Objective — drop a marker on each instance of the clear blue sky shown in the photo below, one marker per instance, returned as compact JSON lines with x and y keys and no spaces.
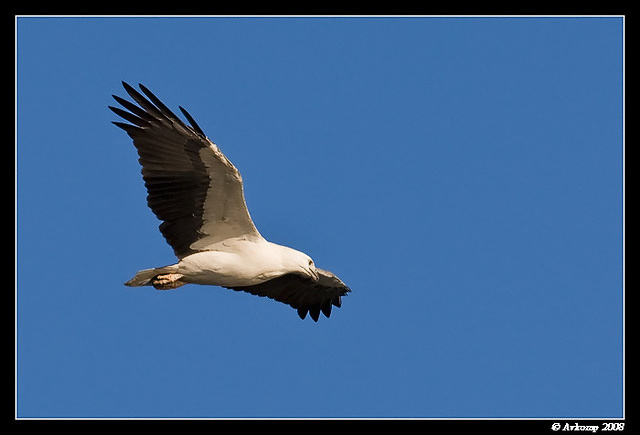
{"x":462,"y":175}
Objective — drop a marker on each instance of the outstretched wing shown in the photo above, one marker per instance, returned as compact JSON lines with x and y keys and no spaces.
{"x":303,"y":293}
{"x":192,"y":187}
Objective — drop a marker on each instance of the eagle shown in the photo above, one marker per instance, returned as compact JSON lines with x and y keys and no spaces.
{"x":197,"y":194}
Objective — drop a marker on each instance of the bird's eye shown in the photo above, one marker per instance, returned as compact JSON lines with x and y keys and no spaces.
{"x":310,"y":262}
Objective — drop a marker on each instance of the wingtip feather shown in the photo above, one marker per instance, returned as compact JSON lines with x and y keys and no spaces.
{"x":315,"y":313}
{"x":302,"y":313}
{"x":192,"y":121}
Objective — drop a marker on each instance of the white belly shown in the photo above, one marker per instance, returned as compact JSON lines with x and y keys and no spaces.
{"x":217,"y":268}
{"x":238,"y":263}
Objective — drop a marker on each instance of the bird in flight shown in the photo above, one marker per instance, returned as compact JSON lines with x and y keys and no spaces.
{"x":198,"y":195}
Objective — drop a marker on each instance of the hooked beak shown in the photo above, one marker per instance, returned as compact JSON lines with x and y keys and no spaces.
{"x":311,"y":272}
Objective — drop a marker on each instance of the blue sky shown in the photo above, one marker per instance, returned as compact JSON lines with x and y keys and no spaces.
{"x":464,"y":176}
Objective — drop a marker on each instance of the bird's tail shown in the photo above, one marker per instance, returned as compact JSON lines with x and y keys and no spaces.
{"x":144,"y":277}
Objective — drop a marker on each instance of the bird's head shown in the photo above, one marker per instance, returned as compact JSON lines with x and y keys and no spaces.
{"x":309,"y":269}
{"x":299,"y":262}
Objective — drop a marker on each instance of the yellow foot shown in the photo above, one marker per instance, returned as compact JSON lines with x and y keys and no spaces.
{"x":167,"y":282}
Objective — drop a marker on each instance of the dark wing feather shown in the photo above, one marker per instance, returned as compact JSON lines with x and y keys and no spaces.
{"x":192,"y":187}
{"x":192,"y":121}
{"x":303,"y":293}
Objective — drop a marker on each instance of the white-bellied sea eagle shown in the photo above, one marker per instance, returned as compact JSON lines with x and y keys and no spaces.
{"x":197,"y":193}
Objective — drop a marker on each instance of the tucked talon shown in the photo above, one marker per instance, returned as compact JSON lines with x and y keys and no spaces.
{"x":167,"y":282}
